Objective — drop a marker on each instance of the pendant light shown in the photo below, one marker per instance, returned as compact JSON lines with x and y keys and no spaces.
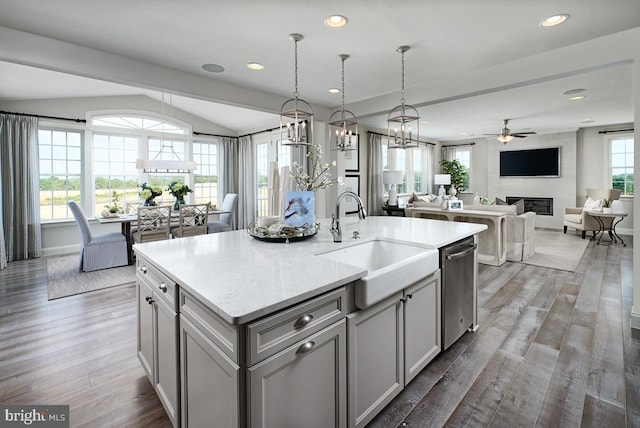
{"x":159,"y":165}
{"x":296,"y":114}
{"x":343,"y":123}
{"x":403,"y":121}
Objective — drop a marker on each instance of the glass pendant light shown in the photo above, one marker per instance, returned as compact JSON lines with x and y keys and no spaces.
{"x":343,"y":123}
{"x":296,"y":114}
{"x":403,"y":121}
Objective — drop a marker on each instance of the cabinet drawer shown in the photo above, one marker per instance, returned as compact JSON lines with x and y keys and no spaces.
{"x":221,"y":333}
{"x":161,"y":284}
{"x":270,"y":335}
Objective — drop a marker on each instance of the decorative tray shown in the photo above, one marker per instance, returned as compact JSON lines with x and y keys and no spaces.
{"x":281,"y":233}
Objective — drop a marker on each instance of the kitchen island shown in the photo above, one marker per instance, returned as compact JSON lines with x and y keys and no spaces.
{"x":233,"y":331}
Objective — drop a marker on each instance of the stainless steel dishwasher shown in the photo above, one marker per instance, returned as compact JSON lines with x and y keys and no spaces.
{"x":457,"y":262}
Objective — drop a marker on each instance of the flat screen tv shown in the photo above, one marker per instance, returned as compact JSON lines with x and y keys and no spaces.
{"x":530,"y":163}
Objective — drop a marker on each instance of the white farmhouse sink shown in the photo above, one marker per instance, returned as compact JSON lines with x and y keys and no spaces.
{"x":391,"y":267}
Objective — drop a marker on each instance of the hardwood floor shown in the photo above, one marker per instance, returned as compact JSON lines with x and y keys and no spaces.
{"x":554,"y":348}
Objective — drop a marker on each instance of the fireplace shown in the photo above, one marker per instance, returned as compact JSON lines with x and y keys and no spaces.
{"x":540,"y":206}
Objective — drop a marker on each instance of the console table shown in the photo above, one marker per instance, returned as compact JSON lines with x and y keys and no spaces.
{"x":492,"y":248}
{"x":600,"y":217}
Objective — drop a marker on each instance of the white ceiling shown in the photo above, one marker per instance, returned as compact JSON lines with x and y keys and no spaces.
{"x":454,"y":45}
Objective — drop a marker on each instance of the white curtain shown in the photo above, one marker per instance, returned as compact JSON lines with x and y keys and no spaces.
{"x":246,"y":183}
{"x":19,"y":189}
{"x":375,"y":187}
{"x":449,"y":153}
{"x":431,"y":167}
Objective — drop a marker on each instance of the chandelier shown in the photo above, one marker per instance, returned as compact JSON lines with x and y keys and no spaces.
{"x":401,"y":119}
{"x":343,"y":123}
{"x":296,"y":114}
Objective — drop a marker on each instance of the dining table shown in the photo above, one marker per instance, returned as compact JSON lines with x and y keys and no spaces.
{"x":126,"y":220}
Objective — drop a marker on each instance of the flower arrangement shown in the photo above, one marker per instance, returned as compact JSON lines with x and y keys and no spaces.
{"x":178,"y":190}
{"x":149,"y":193}
{"x":319,"y":177}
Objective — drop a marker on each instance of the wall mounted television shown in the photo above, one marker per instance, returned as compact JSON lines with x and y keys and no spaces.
{"x":530,"y":163}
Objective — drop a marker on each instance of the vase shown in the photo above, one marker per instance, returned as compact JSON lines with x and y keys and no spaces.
{"x":179,"y":201}
{"x":149,"y":203}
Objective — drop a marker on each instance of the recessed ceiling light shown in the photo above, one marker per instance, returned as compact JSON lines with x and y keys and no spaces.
{"x":255,"y":66}
{"x":213,"y":68}
{"x":576,"y":98}
{"x":554,"y":20}
{"x":586,"y":120}
{"x":334,"y":91}
{"x":573,"y":91}
{"x":335,"y":21}
{"x":424,"y":121}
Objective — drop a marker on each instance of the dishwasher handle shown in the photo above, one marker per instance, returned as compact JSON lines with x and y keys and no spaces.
{"x":462,"y":254}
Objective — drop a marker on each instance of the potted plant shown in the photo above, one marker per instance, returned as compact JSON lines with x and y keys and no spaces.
{"x":606,"y":206}
{"x":458,"y":172}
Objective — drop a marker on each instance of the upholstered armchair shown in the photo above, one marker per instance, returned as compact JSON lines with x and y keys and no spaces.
{"x":98,"y":251}
{"x":579,"y":219}
{"x":225,"y":224}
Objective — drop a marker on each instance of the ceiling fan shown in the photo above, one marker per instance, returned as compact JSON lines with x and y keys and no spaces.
{"x":506,"y":135}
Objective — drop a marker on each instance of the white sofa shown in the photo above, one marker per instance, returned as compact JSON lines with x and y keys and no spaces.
{"x":520,"y":230}
{"x":519,"y":235}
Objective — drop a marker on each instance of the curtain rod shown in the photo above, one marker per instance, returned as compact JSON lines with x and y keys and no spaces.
{"x":617,"y":130}
{"x":44,"y":117}
{"x":385,"y":135}
{"x":460,"y":145}
{"x":212,"y":135}
{"x":260,"y":132}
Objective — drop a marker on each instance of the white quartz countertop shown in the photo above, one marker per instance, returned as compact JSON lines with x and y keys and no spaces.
{"x":241,"y":278}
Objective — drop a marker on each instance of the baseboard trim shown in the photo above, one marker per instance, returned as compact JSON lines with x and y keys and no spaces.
{"x":62,"y":250}
{"x":635,"y":320}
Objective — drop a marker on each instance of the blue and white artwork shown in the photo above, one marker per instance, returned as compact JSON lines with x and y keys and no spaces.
{"x":299,"y":209}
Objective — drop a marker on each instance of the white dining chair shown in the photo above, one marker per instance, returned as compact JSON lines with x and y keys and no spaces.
{"x":225,"y":224}
{"x":102,"y":251}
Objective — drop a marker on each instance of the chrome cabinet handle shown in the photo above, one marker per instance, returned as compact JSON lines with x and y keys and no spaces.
{"x":306,"y":347}
{"x":461,"y":254}
{"x":303,"y":321}
{"x":143,"y":269}
{"x":163,"y":287}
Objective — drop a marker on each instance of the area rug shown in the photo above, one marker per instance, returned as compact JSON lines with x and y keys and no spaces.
{"x":557,"y":250}
{"x":64,"y":279}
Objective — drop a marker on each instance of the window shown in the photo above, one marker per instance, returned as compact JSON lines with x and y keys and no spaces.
{"x":60,"y":171}
{"x":463,"y":155}
{"x":621,"y":164}
{"x":414,"y":162}
{"x":268,"y":148}
{"x":114,"y":170}
{"x":205,"y":155}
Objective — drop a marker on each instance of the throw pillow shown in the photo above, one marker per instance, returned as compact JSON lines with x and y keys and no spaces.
{"x":486,"y":201}
{"x":593,"y":205}
{"x":519,"y":204}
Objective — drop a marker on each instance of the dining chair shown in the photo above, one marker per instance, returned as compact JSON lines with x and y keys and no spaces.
{"x":225,"y":224}
{"x":153,"y":224}
{"x":102,"y":251}
{"x":193,"y":221}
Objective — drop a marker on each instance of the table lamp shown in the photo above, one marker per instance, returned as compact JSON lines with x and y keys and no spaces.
{"x":442,"y":180}
{"x":391,"y":178}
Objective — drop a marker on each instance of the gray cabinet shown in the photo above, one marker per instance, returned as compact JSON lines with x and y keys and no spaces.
{"x":376,"y":369}
{"x":422,"y":333}
{"x":304,"y":385}
{"x":210,"y":381}
{"x":389,"y":344}
{"x":157,"y":335}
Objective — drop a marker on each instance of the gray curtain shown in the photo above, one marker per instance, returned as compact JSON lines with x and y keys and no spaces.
{"x":230,"y":174}
{"x":246,"y":183}
{"x":449,"y":153}
{"x":20,"y":189}
{"x":375,"y":188}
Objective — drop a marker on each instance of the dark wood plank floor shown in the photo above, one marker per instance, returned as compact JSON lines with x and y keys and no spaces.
{"x":554,"y":348}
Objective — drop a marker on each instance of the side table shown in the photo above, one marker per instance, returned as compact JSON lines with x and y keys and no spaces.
{"x":393,"y":210}
{"x":600,"y":218}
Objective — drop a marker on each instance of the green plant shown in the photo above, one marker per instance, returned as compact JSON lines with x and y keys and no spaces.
{"x":458,"y":172}
{"x":606,"y":203}
{"x":114,"y":207}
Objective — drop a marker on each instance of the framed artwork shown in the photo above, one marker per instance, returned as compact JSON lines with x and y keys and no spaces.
{"x":352,"y":157}
{"x":455,"y":205}
{"x":299,"y":209}
{"x":351,"y":182}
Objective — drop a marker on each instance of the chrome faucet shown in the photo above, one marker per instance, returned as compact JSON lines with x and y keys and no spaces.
{"x":336,"y":230}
